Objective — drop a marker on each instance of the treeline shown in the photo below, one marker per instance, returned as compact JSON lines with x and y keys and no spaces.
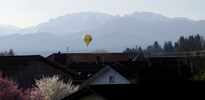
{"x":183,"y":44}
{"x":7,"y":53}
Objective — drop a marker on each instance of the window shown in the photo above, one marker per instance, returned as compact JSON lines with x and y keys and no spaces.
{"x":111,"y":79}
{"x":79,"y":73}
{"x":89,"y":75}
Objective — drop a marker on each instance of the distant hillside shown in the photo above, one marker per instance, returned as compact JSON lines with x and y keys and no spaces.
{"x":111,"y":33}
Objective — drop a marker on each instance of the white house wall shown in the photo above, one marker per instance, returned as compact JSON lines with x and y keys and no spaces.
{"x":104,"y":78}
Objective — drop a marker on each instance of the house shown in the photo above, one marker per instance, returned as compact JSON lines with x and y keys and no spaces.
{"x":84,"y":71}
{"x":25,"y":69}
{"x":140,"y":68}
{"x":87,"y":71}
{"x":87,"y":64}
{"x":112,"y":74}
{"x":69,"y":58}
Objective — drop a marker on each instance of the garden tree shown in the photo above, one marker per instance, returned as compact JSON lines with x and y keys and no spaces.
{"x":149,"y":48}
{"x":155,"y":48}
{"x":191,"y":43}
{"x":140,"y":50}
{"x":179,"y":45}
{"x":199,"y":42}
{"x":133,"y":52}
{"x":140,"y":53}
{"x":47,"y":88}
{"x":7,"y":53}
{"x":9,"y":91}
{"x":11,"y":52}
{"x":52,"y":88}
{"x":168,"y":47}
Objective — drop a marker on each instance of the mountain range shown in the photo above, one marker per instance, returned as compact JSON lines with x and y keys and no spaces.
{"x":112,"y":33}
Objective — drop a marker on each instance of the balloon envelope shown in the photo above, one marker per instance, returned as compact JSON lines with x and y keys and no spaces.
{"x":87,"y":39}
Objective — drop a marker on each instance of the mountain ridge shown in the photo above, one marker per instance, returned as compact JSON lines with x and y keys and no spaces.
{"x":110,"y":32}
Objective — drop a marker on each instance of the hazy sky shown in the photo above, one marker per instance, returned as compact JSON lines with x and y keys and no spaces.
{"x":24,"y":13}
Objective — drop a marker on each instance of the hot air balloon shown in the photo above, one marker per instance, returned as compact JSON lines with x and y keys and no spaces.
{"x":87,"y":39}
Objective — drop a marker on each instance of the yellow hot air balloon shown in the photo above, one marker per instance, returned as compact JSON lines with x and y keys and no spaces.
{"x":88,"y":39}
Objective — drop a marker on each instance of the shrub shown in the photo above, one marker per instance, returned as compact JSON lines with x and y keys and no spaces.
{"x":9,"y":91}
{"x":54,"y":89}
{"x":199,"y":76}
{"x":34,"y":94}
